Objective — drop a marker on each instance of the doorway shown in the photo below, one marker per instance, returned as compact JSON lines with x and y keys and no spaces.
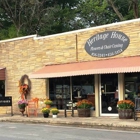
{"x":108,"y":94}
{"x":2,"y":88}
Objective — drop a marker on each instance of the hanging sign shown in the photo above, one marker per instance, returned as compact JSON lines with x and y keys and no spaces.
{"x":107,"y":44}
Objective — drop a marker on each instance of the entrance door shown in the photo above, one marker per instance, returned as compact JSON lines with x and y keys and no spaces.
{"x":108,"y":94}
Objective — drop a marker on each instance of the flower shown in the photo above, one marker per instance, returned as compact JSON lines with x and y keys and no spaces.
{"x":125,"y":104}
{"x":23,"y":88}
{"x":22,"y":104}
{"x":45,"y":110}
{"x":48,"y":102}
{"x":84,"y":104}
{"x":54,"y":111}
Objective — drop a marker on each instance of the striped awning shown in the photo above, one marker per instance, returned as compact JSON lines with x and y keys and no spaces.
{"x":2,"y":73}
{"x":104,"y":66}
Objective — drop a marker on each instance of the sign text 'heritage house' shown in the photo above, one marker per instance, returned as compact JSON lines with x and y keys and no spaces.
{"x":107,"y":44}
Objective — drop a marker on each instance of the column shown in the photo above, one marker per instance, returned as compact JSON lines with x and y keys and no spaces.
{"x":121,"y":88}
{"x":97,"y":95}
{"x":47,"y":88}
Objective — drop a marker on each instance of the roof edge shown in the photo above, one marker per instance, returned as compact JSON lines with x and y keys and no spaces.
{"x":109,"y":58}
{"x":18,"y":38}
{"x":91,"y":28}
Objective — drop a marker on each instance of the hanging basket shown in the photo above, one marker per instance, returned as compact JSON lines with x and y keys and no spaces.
{"x":83,"y":112}
{"x":125,"y":113}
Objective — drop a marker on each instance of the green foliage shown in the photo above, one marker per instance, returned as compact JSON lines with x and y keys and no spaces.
{"x":9,"y":32}
{"x":22,"y":104}
{"x":96,"y":12}
{"x":45,"y":110}
{"x":54,"y":111}
{"x":45,"y":17}
{"x":125,"y":104}
{"x":48,"y":102}
{"x":84,"y":104}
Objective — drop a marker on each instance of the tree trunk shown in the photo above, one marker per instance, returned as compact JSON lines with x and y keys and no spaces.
{"x":116,"y":10}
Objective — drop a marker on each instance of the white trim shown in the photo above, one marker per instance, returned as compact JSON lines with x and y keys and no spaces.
{"x":100,"y":104}
{"x":18,"y":38}
{"x":113,"y":115}
{"x":91,"y":28}
{"x":70,"y":87}
{"x":119,"y":87}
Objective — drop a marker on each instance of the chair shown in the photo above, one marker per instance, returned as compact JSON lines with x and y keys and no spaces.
{"x":32,"y":108}
{"x":69,"y":107}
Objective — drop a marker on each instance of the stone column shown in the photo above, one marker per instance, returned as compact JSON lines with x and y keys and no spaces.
{"x":97,"y":95}
{"x":121,"y":88}
{"x":47,"y":88}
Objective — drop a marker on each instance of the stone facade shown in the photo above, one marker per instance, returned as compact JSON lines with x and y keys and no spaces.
{"x":26,"y":55}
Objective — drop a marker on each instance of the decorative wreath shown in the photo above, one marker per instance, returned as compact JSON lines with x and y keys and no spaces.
{"x":24,"y":89}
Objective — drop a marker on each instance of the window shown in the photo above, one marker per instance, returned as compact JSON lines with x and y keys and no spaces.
{"x":59,"y":88}
{"x":132,"y":81}
{"x":82,"y":86}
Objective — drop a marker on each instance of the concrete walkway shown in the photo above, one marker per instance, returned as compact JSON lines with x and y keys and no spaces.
{"x":100,"y":122}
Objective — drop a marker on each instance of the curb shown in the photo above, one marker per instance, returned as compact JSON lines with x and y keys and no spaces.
{"x":75,"y":124}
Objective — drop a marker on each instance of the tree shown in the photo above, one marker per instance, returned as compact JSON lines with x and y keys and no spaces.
{"x":96,"y":12}
{"x":41,"y":16}
{"x":27,"y":16}
{"x":127,"y":9}
{"x":45,"y":17}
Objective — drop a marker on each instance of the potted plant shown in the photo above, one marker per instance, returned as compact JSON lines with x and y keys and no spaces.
{"x":83,"y":108}
{"x":125,"y":109}
{"x":48,"y":103}
{"x":22,"y":104}
{"x":54,"y":112}
{"x":45,"y":112}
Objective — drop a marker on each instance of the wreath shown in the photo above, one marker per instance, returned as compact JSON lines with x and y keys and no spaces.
{"x":24,"y":89}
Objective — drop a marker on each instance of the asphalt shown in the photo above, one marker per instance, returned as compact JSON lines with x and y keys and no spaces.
{"x":112,"y":123}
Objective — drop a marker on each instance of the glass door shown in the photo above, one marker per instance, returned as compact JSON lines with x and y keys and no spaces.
{"x":108,"y":94}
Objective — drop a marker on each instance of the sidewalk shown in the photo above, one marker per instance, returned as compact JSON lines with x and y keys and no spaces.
{"x":94,"y":122}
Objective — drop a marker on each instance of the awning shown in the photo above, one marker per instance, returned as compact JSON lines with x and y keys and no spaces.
{"x":2,"y":73}
{"x":117,"y":65}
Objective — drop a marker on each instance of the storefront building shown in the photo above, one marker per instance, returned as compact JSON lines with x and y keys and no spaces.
{"x":101,"y":64}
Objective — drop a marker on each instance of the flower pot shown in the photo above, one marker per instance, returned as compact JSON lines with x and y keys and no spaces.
{"x":54,"y":116}
{"x":46,"y":115}
{"x":48,"y":106}
{"x":83,"y":112}
{"x":125,"y":113}
{"x":22,"y":110}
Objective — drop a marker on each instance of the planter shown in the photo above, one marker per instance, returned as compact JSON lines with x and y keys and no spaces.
{"x":125,"y":113}
{"x":48,"y":106}
{"x":54,"y":116}
{"x":22,"y":110}
{"x":83,"y":112}
{"x":46,"y":115}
